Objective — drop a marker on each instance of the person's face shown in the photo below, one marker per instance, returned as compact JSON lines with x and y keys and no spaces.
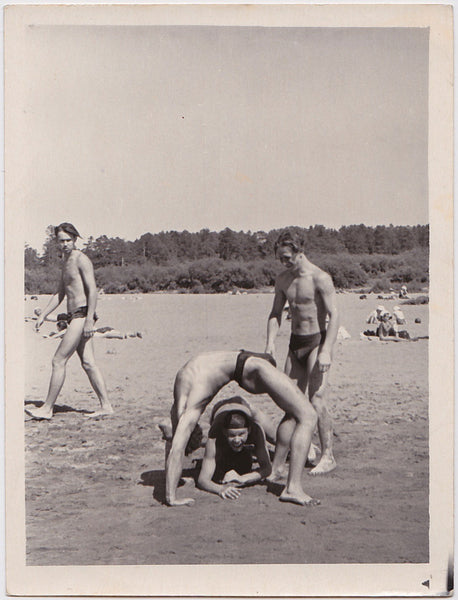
{"x":287,"y":257}
{"x":237,"y":438}
{"x":65,"y":242}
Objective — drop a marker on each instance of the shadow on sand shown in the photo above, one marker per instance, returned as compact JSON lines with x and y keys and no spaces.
{"x":156,"y":479}
{"x":57,"y":408}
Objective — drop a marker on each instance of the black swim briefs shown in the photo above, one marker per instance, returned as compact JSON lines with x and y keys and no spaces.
{"x":302,"y":345}
{"x":243,"y":356}
{"x":78,"y":313}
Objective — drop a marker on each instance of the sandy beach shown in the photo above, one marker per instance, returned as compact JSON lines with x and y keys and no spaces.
{"x":95,"y":488}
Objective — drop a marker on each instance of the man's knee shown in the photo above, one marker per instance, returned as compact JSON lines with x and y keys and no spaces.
{"x":318,"y":401}
{"x":310,"y":416}
{"x":59,"y":361}
{"x":88,"y":365}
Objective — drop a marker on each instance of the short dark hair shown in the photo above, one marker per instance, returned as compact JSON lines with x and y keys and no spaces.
{"x":235,"y":419}
{"x":67,"y":228}
{"x":290,"y":239}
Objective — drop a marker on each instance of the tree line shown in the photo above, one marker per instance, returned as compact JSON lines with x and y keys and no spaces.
{"x":208,"y":261}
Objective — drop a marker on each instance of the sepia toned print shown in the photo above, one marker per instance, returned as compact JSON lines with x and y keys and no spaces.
{"x":228,"y":168}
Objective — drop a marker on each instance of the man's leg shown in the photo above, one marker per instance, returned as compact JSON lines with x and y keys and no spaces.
{"x":174,"y":460}
{"x":317,"y":383}
{"x":86,"y":353}
{"x":262,"y":378}
{"x":66,"y":348}
{"x":287,"y":425}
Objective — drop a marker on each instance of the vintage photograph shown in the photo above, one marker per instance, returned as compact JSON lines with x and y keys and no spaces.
{"x":229,"y":220}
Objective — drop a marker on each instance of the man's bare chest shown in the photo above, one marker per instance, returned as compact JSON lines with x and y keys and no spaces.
{"x":301,"y":290}
{"x":70,"y":275}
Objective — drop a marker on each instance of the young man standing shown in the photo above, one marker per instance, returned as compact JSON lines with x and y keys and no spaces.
{"x":78,"y":285}
{"x":311,"y":296}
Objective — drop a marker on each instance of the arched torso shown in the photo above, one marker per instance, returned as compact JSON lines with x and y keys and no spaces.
{"x":202,"y":377}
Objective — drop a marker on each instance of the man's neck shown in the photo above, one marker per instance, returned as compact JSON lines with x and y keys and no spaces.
{"x":303,"y":265}
{"x":70,"y":254}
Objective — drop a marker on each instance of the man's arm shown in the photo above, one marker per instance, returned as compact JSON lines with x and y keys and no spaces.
{"x":52,"y":304}
{"x":326,"y":288}
{"x":87,"y":275}
{"x":274,"y":321}
{"x":208,"y":470}
{"x":174,"y":467}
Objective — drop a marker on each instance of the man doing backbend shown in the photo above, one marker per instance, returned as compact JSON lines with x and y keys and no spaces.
{"x":311,"y":296}
{"x":77,"y":283}
{"x":199,"y":381}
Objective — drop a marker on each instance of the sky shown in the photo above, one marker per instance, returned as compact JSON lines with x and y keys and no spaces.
{"x":130,"y":129}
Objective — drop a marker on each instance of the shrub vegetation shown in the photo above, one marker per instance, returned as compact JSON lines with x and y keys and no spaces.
{"x":216,"y":262}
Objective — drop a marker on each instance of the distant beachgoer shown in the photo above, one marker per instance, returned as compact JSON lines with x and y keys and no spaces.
{"x":403,"y":292}
{"x":399,"y":315}
{"x":311,"y":296}
{"x":234,"y":439}
{"x":387,"y":331}
{"x":199,"y":380}
{"x":376,"y":315}
{"x":100,"y":332}
{"x":78,"y":285}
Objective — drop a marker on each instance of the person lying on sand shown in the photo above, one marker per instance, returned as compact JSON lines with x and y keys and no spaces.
{"x":233,"y":440}
{"x":78,"y":285}
{"x":199,"y":380}
{"x":236,"y":438}
{"x":37,"y":312}
{"x":100,"y":332}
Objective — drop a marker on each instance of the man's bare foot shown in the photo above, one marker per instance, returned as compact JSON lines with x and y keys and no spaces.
{"x":277,"y":476}
{"x":181,"y":502}
{"x":40,"y":414}
{"x":326,"y":465}
{"x":166,"y":431}
{"x":103,"y":412}
{"x":301,"y":498}
{"x":313,"y":454}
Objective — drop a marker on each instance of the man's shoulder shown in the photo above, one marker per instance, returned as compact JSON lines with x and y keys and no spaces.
{"x":322,"y":278}
{"x":82,"y":259}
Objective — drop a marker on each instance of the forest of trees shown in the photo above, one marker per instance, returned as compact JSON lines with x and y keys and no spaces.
{"x":373,"y":258}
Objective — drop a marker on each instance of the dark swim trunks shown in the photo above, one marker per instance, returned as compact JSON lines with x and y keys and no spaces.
{"x":242,"y":358}
{"x":78,"y":313}
{"x":302,"y":345}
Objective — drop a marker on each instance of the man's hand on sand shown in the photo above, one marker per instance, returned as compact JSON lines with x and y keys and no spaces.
{"x":230,"y":493}
{"x":324,"y":361}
